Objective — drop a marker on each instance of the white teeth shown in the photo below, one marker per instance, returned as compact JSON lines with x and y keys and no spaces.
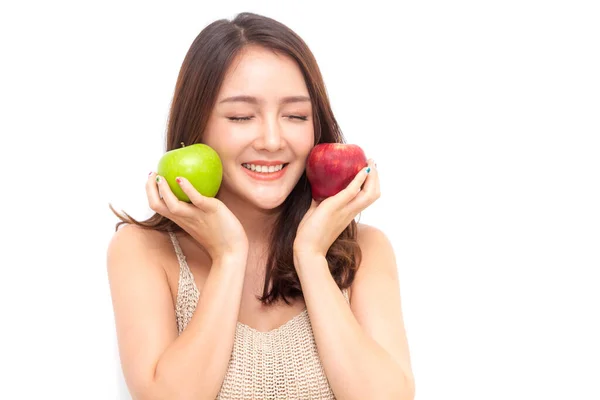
{"x":263,"y":168}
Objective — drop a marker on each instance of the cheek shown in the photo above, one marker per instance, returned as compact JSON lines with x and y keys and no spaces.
{"x":225,"y":142}
{"x":303,"y":143}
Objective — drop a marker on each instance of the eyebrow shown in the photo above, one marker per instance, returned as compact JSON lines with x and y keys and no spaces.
{"x":254,"y":100}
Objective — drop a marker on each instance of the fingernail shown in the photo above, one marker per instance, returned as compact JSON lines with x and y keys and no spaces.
{"x":158,"y":179}
{"x":178,"y":180}
{"x":150,"y":173}
{"x":368,"y":170}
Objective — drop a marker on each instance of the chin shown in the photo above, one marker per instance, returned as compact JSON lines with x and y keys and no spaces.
{"x":266,"y":201}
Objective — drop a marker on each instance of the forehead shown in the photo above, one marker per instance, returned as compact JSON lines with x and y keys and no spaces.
{"x":263,"y":73}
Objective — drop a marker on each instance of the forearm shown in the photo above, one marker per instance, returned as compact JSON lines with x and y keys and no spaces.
{"x":356,"y":366}
{"x":194,"y":365}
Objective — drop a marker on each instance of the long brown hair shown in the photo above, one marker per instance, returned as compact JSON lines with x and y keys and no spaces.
{"x":198,"y":84}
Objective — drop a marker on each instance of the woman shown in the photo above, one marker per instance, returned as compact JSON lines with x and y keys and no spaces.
{"x":260,"y":292}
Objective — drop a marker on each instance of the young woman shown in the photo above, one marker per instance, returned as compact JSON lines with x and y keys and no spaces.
{"x":260,"y":292}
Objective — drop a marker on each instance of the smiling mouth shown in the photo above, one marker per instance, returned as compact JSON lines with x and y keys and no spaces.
{"x":263,"y":169}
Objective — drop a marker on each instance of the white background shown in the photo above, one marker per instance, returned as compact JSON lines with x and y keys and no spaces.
{"x":484,"y":120}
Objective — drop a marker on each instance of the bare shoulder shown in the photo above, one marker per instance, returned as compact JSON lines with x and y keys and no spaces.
{"x":142,"y":301}
{"x":376,"y":246}
{"x":129,"y":234}
{"x":134,"y":242}
{"x":369,"y":235}
{"x":376,"y":253}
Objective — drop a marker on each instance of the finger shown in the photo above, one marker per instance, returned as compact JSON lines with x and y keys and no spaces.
{"x":353,"y":188}
{"x":370,"y":190}
{"x":372,"y":182}
{"x":175,"y":206}
{"x":376,"y":191}
{"x":204,"y":203}
{"x":154,"y":201}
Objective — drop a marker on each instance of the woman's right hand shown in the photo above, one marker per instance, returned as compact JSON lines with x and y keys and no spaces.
{"x":206,"y":219}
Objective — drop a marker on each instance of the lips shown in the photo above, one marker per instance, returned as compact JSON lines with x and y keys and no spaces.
{"x":266,"y":176}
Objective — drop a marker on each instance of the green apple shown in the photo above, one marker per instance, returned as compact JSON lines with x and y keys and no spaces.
{"x":198,"y":163}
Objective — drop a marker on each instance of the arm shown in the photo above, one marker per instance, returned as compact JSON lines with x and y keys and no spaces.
{"x":156,"y":362}
{"x":363,"y":348}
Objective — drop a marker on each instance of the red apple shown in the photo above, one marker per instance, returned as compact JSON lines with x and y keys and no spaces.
{"x":330,"y":167}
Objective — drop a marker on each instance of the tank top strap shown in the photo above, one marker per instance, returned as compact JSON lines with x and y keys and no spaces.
{"x":186,"y":279}
{"x":345,"y":293}
{"x":187,"y":292}
{"x":177,"y":247}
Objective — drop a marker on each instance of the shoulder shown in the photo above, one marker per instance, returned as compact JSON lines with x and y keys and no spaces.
{"x":133,"y":245}
{"x":373,"y":241}
{"x":377,"y":256}
{"x":133,"y":236}
{"x":369,"y":234}
{"x":128,"y":232}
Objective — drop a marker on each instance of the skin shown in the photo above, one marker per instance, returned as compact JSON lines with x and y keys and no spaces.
{"x":363,"y":346}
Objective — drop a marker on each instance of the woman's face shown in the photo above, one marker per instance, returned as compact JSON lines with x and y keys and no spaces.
{"x":277,"y":127}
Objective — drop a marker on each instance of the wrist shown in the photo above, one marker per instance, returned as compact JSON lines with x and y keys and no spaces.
{"x":231,"y":258}
{"x":305,"y":250}
{"x":305,"y":256}
{"x":306,"y":263}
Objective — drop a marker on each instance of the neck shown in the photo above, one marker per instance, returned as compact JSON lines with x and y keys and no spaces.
{"x":258,"y":223}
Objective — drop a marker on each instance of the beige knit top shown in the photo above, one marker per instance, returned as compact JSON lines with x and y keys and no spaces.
{"x":280,"y":364}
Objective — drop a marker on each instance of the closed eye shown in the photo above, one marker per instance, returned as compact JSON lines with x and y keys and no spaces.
{"x":298,"y":117}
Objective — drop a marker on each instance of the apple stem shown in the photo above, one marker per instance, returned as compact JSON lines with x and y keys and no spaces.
{"x":182,"y":144}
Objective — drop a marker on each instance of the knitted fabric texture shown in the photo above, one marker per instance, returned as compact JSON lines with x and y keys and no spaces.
{"x":280,"y":364}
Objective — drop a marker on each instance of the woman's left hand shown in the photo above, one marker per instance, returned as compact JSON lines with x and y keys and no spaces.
{"x":326,"y":220}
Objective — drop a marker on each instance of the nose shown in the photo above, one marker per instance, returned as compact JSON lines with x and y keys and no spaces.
{"x":270,"y":138}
